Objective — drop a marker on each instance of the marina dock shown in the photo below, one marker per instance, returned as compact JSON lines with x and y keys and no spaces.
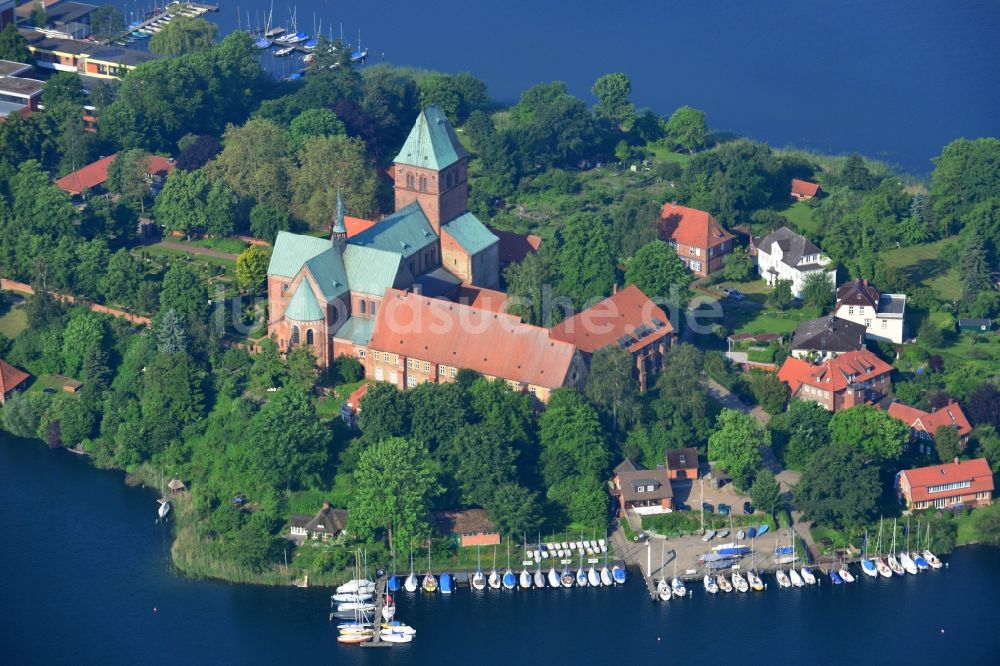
{"x":154,"y":24}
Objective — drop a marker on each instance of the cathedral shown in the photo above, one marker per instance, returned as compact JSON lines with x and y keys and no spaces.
{"x":326,"y":293}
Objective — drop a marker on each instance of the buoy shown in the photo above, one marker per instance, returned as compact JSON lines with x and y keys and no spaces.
{"x":154,"y":609}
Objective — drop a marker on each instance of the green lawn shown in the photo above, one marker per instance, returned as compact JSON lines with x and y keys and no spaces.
{"x":770,"y":321}
{"x":801,"y":215}
{"x":663,"y":153}
{"x":170,"y":253}
{"x":13,"y":322}
{"x":924,"y":267}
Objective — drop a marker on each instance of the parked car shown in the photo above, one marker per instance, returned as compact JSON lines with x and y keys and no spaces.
{"x":724,"y":509}
{"x":734,"y":294}
{"x":748,"y":508}
{"x":707,"y":506}
{"x":681,"y":506}
{"x":641,"y":536}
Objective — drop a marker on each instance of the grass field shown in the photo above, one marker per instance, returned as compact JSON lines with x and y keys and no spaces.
{"x":170,"y":253}
{"x":663,"y":153}
{"x":770,"y":321}
{"x":13,"y":322}
{"x":801,"y":215}
{"x":925,"y":267}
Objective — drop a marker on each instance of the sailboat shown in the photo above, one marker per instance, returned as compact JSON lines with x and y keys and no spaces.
{"x":808,"y":577}
{"x":662,"y":586}
{"x":606,"y":579}
{"x":904,"y":558}
{"x":867,"y":566}
{"x":835,"y":577}
{"x":478,"y":579}
{"x":739,"y":582}
{"x":723,"y":583}
{"x":447,"y":583}
{"x":494,"y":579}
{"x":893,"y":563}
{"x":796,"y":579}
{"x":410,"y":585}
{"x":783,"y":579}
{"x":392,"y":582}
{"x":509,"y":581}
{"x":709,"y":584}
{"x":880,"y":565}
{"x":567,"y":578}
{"x":929,"y":558}
{"x":593,"y":578}
{"x":753,"y":580}
{"x":539,"y":577}
{"x":525,"y":579}
{"x":430,"y":583}
{"x":581,"y":573}
{"x":845,"y":573}
{"x":618,"y":574}
{"x":677,"y":585}
{"x":388,"y":608}
{"x":553,"y":577}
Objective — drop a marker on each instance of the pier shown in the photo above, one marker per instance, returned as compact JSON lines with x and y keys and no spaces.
{"x":154,"y":24}
{"x":376,"y":641}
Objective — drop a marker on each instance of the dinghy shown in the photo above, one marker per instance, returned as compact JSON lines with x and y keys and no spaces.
{"x":723,"y":583}
{"x":553,"y":578}
{"x":783,"y":579}
{"x":739,"y":582}
{"x":710,"y":585}
{"x":762,"y":530}
{"x":928,"y":557}
{"x":741,"y":535}
{"x":593,"y":579}
{"x":709,"y":535}
{"x":447,"y":585}
{"x":723,"y":534}
{"x":807,"y":576}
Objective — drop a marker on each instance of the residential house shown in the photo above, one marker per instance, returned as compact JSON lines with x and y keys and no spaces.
{"x":953,"y":486}
{"x":785,"y":255}
{"x":11,"y":379}
{"x":627,"y":319}
{"x":698,"y":238}
{"x":924,"y":425}
{"x":644,"y":491}
{"x":826,"y":337}
{"x":325,"y":525}
{"x":682,"y":463}
{"x":418,"y":339}
{"x":470,"y":527}
{"x":18,"y":94}
{"x":91,"y":178}
{"x":881,"y":314}
{"x":844,"y":381}
{"x":803,"y":189}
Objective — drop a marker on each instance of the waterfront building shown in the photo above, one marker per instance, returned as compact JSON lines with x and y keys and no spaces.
{"x":627,"y":319}
{"x":18,"y":94}
{"x":785,"y":255}
{"x":325,"y":525}
{"x":803,"y":190}
{"x":328,"y":293}
{"x":924,"y":425}
{"x":643,"y":491}
{"x":953,"y":486}
{"x":682,"y":463}
{"x":84,"y":57}
{"x":469,"y":527}
{"x":881,"y":314}
{"x":841,"y":382}
{"x":91,"y":178}
{"x":11,"y":379}
{"x":826,"y":337}
{"x":700,"y":241}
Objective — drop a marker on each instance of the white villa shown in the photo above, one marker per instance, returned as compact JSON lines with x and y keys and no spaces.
{"x":785,"y":255}
{"x":881,"y":314}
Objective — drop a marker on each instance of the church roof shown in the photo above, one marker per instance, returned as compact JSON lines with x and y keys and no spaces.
{"x":327,"y":268}
{"x":432,"y":143}
{"x":372,"y":271}
{"x":292,"y":250}
{"x":405,"y":232}
{"x":356,"y":329}
{"x":470,"y":233}
{"x":304,"y":306}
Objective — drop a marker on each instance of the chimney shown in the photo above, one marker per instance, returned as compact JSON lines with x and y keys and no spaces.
{"x":614,"y":288}
{"x":956,"y":460}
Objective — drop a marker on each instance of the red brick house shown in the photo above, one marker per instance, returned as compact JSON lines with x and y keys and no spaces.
{"x":803,"y":189}
{"x":923,"y":425}
{"x":837,"y":383}
{"x":955,"y":485}
{"x":11,"y":379}
{"x":644,"y":491}
{"x":92,"y":177}
{"x":627,"y":319}
{"x":682,"y":463}
{"x":471,"y":527}
{"x":699,"y":239}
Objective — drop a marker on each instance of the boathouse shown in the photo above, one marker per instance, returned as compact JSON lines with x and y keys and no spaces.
{"x":471,"y":527}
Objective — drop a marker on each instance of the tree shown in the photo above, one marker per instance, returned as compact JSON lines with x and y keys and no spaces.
{"x":529,"y":288}
{"x":64,"y":95}
{"x":172,"y":398}
{"x":22,"y":413}
{"x":766,"y":493}
{"x":121,"y":279}
{"x":439,"y":90}
{"x":872,"y":432}
{"x":170,"y":335}
{"x":818,"y":290}
{"x":181,"y":206}
{"x":855,"y":174}
{"x":106,"y":22}
{"x":736,"y":445}
{"x":266,"y":221}
{"x":781,"y":295}
{"x":838,"y":487}
{"x":386,"y":413}
{"x":769,"y":391}
{"x":255,"y":162}
{"x":611,"y":384}
{"x":965,"y":174}
{"x":612,"y":92}
{"x":571,"y":439}
{"x":197,"y":151}
{"x":660,"y":274}
{"x":285,"y":444}
{"x":83,"y":332}
{"x":301,"y":364}
{"x":347,"y":369}
{"x":182,"y":35}
{"x":315,"y":123}
{"x":987,"y":522}
{"x":330,"y":165}
{"x":220,"y":210}
{"x":76,"y":422}
{"x":930,"y":334}
{"x":687,"y":128}
{"x":13,"y":46}
{"x":482,"y":463}
{"x":983,"y":405}
{"x":394,"y":484}
{"x":127,"y":177}
{"x":738,"y":266}
{"x":946,"y":443}
{"x":268,"y":371}
{"x":515,"y":510}
{"x":184,"y":292}
{"x":251,"y":268}
{"x":39,"y":18}
{"x":975,"y":269}
{"x":800,"y":432}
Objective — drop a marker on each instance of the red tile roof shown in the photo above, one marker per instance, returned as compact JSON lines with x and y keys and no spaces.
{"x":616,"y":317}
{"x":917,"y":419}
{"x":354,"y":400}
{"x":10,"y":377}
{"x":804,"y":188}
{"x":689,"y":226}
{"x":355,"y":225}
{"x":96,"y":173}
{"x":514,"y":247}
{"x":481,"y":298}
{"x":977,"y":471}
{"x":491,"y":343}
{"x":834,"y":374}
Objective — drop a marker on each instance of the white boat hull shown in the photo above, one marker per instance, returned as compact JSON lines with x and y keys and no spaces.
{"x":593,"y":578}
{"x":553,"y":578}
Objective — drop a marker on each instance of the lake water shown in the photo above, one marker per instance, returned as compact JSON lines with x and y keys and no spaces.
{"x":894,"y":79}
{"x":84,"y":565}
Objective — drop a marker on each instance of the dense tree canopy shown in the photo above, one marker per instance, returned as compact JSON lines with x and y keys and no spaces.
{"x":871,"y":431}
{"x":838,"y":487}
{"x":736,"y":444}
{"x":184,"y":34}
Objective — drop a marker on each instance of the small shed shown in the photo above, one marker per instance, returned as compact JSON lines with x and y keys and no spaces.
{"x":975,"y":325}
{"x":176,"y":485}
{"x":471,"y":527}
{"x":11,"y":379}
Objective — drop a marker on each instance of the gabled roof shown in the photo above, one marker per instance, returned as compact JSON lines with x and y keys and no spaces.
{"x":793,"y":246}
{"x":858,"y":292}
{"x":690,"y":226}
{"x":480,"y":298}
{"x":327,"y":268}
{"x":628,"y":481}
{"x":327,"y":521}
{"x":917,"y":419}
{"x":10,"y":377}
{"x":432,"y":143}
{"x":514,"y":247}
{"x":494,"y":344}
{"x":303,"y":306}
{"x":977,"y":471}
{"x":371,"y":270}
{"x":834,"y":374}
{"x":470,"y":233}
{"x":291,"y":251}
{"x":804,"y":188}
{"x":628,"y":319}
{"x":96,"y":173}
{"x":355,"y":225}
{"x":624,"y":466}
{"x":469,"y":521}
{"x":405,"y":232}
{"x":682,"y":458}
{"x":829,"y":334}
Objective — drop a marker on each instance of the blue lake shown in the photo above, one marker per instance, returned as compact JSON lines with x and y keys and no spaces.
{"x":85,"y":564}
{"x":894,"y":79}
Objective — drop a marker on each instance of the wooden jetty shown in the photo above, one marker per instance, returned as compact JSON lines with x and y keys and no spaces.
{"x":376,"y":641}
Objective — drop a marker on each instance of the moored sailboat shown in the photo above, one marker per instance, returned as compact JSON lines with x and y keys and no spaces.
{"x":739,"y":582}
{"x":807,"y":576}
{"x":709,"y":584}
{"x":663,"y":590}
{"x":796,"y":579}
{"x":478,"y":579}
{"x":783,"y":579}
{"x":553,"y":578}
{"x":723,"y":583}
